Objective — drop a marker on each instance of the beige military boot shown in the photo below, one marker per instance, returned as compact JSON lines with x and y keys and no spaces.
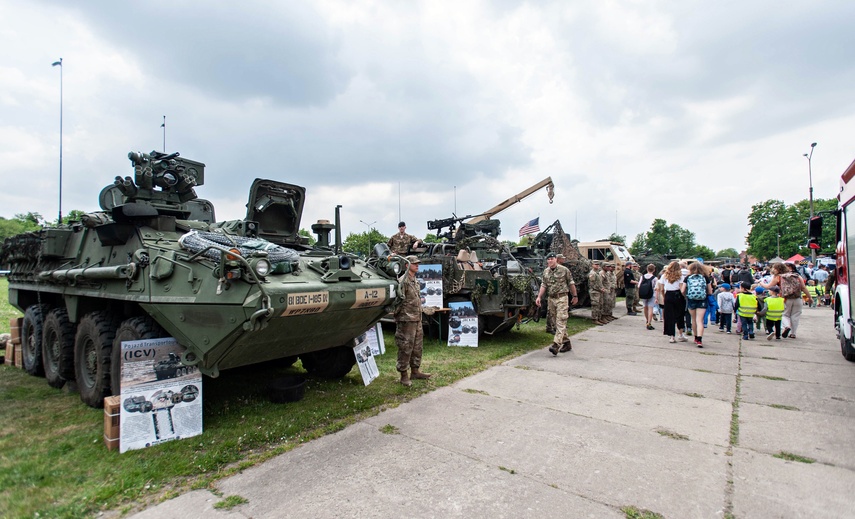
{"x":405,"y":379}
{"x":418,"y":375}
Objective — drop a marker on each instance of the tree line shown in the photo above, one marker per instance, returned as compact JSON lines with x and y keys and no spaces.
{"x":775,"y":229}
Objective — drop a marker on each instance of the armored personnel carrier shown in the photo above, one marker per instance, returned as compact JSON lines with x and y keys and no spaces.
{"x":155,"y":263}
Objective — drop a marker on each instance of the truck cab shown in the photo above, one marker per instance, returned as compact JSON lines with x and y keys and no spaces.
{"x":607,"y":251}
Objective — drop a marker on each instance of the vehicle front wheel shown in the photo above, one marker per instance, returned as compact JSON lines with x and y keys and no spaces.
{"x":330,"y":363}
{"x":93,"y":345}
{"x":846,"y":347}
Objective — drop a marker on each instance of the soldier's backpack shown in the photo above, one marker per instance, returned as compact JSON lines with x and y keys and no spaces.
{"x":791,"y":285}
{"x":645,"y":289}
{"x":696,"y":287}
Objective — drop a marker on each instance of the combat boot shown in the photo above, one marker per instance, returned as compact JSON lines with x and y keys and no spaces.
{"x":418,"y":375}
{"x":405,"y":379}
{"x":566,"y":346}
{"x":553,"y":349}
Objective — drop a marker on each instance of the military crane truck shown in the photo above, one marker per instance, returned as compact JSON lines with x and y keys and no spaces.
{"x":477,"y":267}
{"x":153,"y":262}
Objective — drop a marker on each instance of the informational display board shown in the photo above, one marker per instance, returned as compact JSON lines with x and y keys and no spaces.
{"x":366,"y":347}
{"x":161,"y":398}
{"x":462,"y":325}
{"x":430,"y":285}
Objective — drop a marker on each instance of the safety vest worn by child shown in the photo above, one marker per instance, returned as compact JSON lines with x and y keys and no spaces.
{"x":775,"y":308}
{"x":747,"y":305}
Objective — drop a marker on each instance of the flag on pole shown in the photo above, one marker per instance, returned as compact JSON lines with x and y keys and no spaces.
{"x":531,"y":227}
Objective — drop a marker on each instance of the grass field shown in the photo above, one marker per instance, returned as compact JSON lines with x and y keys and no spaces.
{"x":54,"y":462}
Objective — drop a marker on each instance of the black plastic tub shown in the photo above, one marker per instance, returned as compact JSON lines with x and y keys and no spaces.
{"x":290,"y":388}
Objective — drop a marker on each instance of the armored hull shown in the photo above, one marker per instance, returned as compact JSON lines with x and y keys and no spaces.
{"x":154,"y":263}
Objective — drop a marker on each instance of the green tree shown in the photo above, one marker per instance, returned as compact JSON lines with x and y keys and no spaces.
{"x":728,"y":253}
{"x":432,"y":238}
{"x":702,"y":251}
{"x":664,"y":239}
{"x":20,"y":223}
{"x":363,"y":242}
{"x":776,"y":229}
{"x":620,"y":238}
{"x":307,"y":234}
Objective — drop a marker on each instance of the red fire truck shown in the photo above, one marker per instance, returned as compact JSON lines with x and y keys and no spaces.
{"x":844,"y":311}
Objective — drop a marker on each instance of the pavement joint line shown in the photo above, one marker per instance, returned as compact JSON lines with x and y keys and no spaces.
{"x":733,"y":437}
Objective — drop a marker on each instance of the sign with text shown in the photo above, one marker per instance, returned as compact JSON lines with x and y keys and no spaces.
{"x":430,"y":285}
{"x":462,"y":324}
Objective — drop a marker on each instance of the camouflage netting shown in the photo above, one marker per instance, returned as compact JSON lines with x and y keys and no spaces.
{"x":196,"y":241}
{"x":579,"y":266}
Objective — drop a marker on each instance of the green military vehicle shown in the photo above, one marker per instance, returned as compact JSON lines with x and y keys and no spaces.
{"x":155,"y":263}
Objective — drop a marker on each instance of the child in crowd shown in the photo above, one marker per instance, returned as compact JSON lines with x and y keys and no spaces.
{"x":725,"y":307}
{"x":760,"y":316}
{"x":746,"y":307}
{"x":774,"y":312}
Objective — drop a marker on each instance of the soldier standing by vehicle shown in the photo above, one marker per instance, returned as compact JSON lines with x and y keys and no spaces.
{"x":559,"y":281}
{"x":596,"y":291}
{"x":610,"y":285}
{"x":550,"y":312}
{"x":401,"y":242}
{"x":408,"y":325}
{"x":630,"y":286}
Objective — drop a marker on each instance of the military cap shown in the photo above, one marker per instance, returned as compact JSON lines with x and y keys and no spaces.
{"x":610,"y":264}
{"x":401,"y":224}
{"x":597,"y":262}
{"x":560,"y":256}
{"x":413,"y":259}
{"x":551,"y":255}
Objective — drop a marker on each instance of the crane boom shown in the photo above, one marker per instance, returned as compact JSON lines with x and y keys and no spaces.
{"x":486,"y":215}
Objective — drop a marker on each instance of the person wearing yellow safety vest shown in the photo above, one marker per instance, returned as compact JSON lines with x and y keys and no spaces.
{"x":815,"y":291}
{"x":774,"y":313}
{"x":746,"y":307}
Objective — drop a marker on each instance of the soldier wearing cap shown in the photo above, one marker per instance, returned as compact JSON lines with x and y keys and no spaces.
{"x":550,"y":314}
{"x":596,"y":291}
{"x":610,"y":283}
{"x":559,"y":281}
{"x":630,"y":286}
{"x":401,"y":242}
{"x":408,"y":325}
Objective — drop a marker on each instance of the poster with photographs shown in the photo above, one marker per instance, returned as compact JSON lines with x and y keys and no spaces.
{"x":462,"y":325}
{"x":364,"y":352}
{"x":430,"y":284}
{"x":161,"y":399}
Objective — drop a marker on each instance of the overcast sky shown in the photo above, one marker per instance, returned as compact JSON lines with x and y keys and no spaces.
{"x":685,"y":110}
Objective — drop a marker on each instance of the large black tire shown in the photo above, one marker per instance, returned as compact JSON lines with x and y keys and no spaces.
{"x":846,"y":348}
{"x":331,"y":363}
{"x":58,"y":348}
{"x":93,"y":345}
{"x":31,"y":339}
{"x":133,"y":329}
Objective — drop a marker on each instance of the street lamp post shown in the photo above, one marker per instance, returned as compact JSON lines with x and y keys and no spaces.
{"x":369,"y":235}
{"x":54,"y":64}
{"x":810,"y":179}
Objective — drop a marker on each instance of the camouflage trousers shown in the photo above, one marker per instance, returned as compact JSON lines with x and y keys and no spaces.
{"x":631,"y":298}
{"x":596,"y":304}
{"x":608,"y":303}
{"x":561,"y":309}
{"x":408,"y":339}
{"x":550,"y":314}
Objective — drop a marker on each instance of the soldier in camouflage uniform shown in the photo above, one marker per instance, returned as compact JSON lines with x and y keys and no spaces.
{"x":401,"y":242}
{"x":408,"y":325}
{"x":550,"y":313}
{"x":596,"y":292}
{"x":609,"y":300}
{"x":559,"y":281}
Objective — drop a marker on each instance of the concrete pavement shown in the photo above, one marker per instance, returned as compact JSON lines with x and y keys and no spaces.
{"x":624,"y":420}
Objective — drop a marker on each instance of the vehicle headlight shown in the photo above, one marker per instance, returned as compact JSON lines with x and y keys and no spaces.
{"x":396,"y":268}
{"x":261,"y":267}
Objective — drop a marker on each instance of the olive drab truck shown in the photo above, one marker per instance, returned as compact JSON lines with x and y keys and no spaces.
{"x":154,"y":262}
{"x":607,"y":251}
{"x":842,"y":301}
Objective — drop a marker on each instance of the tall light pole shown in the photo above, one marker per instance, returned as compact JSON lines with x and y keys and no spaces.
{"x":369,"y":235}
{"x":810,"y":179}
{"x":55,"y":63}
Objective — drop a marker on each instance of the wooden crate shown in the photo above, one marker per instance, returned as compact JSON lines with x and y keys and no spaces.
{"x":111,"y":422}
{"x":19,"y":357}
{"x":15,"y":325}
{"x":10,"y":353}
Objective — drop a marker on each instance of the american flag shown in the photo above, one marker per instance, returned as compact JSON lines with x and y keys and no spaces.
{"x":531,"y":227}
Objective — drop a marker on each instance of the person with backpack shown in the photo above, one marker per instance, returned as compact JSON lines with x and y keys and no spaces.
{"x":675,"y":304}
{"x":695,"y":287}
{"x":786,"y":276}
{"x":647,"y":294}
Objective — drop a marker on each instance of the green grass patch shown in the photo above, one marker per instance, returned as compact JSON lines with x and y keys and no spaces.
{"x":506,"y":469}
{"x":476,"y":392}
{"x":230,"y":502}
{"x":789,"y":456}
{"x":54,"y":462}
{"x":390,"y":429}
{"x":767,"y":377}
{"x":632,"y":512}
{"x":694,"y":395}
{"x":786,"y":407}
{"x":703,"y":371}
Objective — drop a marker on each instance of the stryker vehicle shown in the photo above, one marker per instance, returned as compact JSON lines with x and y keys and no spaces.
{"x":154,"y":263}
{"x":170,"y":367}
{"x":476,"y":267}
